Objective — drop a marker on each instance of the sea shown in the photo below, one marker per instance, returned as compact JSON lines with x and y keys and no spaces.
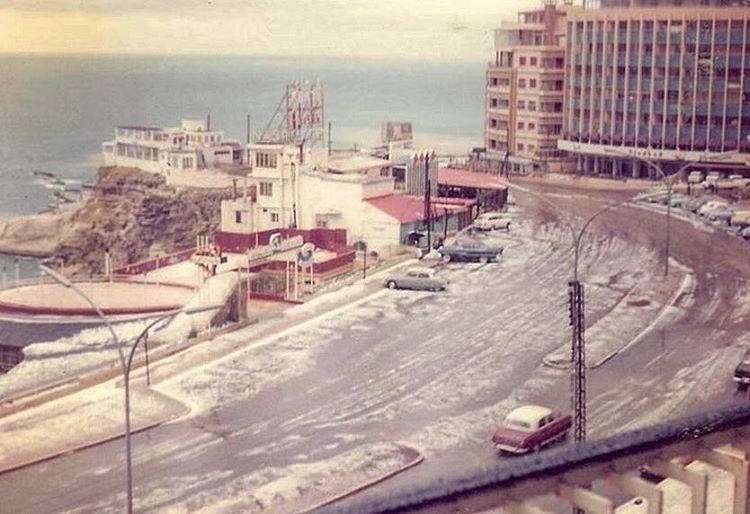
{"x":56,"y":110}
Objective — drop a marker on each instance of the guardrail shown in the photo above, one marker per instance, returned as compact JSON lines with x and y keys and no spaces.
{"x":719,"y":437}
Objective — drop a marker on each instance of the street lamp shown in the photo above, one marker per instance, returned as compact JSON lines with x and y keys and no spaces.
{"x":577,"y":314}
{"x":125,"y":366}
{"x":669,"y":185}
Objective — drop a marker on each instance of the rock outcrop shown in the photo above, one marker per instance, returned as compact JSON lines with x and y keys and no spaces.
{"x":128,"y":212}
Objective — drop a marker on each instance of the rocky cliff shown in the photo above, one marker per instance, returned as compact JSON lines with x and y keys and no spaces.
{"x":128,"y":212}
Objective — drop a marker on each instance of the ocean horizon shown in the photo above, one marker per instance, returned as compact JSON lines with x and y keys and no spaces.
{"x":60,"y":108}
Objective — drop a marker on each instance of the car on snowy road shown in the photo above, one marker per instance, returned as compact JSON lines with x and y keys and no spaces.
{"x":529,"y":428}
{"x":470,"y":250}
{"x":420,"y":279}
{"x":742,"y":371}
{"x":492,"y":221}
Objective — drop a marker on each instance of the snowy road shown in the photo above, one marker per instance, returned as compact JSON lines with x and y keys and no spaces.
{"x":317,"y":410}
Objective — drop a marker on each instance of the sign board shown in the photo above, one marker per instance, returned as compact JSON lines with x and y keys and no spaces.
{"x":264,"y":252}
{"x":396,"y":131}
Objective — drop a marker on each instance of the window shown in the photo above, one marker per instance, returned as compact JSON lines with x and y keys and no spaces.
{"x":531,"y":105}
{"x":522,"y":83}
{"x":533,"y":61}
{"x":187,"y":163}
{"x":521,"y":105}
{"x":274,"y":217}
{"x":265,"y":160}
{"x":238,"y":217}
{"x":520,"y":147}
{"x":522,"y":61}
{"x":532,"y":83}
{"x":521,"y":125}
{"x":266,"y":189}
{"x":532,"y":126}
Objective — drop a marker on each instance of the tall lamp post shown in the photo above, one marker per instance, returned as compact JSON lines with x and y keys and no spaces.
{"x":577,"y":313}
{"x":124,"y":365}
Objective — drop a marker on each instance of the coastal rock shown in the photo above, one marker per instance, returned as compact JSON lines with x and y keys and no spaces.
{"x":128,"y":212}
{"x":37,"y":235}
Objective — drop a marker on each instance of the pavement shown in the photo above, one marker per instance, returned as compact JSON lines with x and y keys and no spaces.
{"x":79,"y":421}
{"x":319,"y":399}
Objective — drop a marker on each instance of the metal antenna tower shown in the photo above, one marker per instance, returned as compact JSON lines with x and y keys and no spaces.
{"x":299,"y":116}
{"x":578,"y":359}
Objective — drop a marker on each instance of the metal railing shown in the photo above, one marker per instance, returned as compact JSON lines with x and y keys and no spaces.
{"x":719,"y":437}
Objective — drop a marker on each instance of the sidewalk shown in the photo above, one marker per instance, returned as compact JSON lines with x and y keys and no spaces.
{"x":78,"y":421}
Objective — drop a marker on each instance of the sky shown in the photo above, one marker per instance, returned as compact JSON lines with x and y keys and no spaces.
{"x":423,"y":29}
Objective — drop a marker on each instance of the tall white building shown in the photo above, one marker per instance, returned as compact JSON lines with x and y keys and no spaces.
{"x":192,"y":146}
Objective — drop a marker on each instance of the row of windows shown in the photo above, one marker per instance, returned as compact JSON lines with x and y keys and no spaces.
{"x":265,"y":160}
{"x":266,"y":189}
{"x":137,"y":152}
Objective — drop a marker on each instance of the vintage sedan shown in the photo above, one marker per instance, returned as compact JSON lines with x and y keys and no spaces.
{"x":421,"y":279}
{"x":742,"y":371}
{"x":470,"y":250}
{"x":529,"y":428}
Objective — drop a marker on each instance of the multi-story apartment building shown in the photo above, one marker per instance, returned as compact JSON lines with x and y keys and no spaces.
{"x":667,"y":80}
{"x":524,"y":95}
{"x":192,"y":146}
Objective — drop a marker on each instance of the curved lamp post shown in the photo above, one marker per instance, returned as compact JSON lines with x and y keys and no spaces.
{"x":577,"y":318}
{"x":125,"y":366}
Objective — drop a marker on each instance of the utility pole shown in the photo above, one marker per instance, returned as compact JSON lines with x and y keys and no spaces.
{"x":364,"y":261}
{"x":427,"y":199}
{"x":578,"y":358}
{"x":247,"y":137}
{"x":329,"y":139}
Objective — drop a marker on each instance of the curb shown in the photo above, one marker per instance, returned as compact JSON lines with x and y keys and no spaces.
{"x":686,"y":284}
{"x":414,"y":462}
{"x":73,"y":449}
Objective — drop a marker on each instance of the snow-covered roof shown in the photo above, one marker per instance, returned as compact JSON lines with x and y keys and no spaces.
{"x":529,"y":414}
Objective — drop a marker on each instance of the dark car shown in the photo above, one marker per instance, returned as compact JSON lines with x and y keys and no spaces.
{"x":742,"y":371}
{"x":696,"y":203}
{"x":470,"y":250}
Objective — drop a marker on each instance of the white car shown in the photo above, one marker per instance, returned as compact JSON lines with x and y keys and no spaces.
{"x":712,"y":206}
{"x":492,"y":221}
{"x":695,"y":177}
{"x":420,"y":279}
{"x":739,"y":180}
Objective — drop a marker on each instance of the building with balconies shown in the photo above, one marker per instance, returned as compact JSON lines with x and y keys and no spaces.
{"x":666,"y":80}
{"x":192,"y":146}
{"x":524,"y":91}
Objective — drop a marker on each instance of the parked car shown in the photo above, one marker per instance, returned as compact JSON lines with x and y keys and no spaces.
{"x":421,"y":279}
{"x":529,"y":428}
{"x":470,"y":250}
{"x":712,"y":205}
{"x":740,"y":218}
{"x":695,"y":204}
{"x":695,"y":177}
{"x":721,"y":214}
{"x":679,"y":199}
{"x":742,"y":371}
{"x":745,"y":233}
{"x":492,"y":221}
{"x":740,"y":180}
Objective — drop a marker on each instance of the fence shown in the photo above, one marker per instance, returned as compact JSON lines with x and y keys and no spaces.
{"x":329,"y":239}
{"x":141,"y":267}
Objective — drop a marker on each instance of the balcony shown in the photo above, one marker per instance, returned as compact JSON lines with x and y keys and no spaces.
{"x":677,"y":450}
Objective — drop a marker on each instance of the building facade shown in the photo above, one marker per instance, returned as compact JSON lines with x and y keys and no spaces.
{"x":524,"y":91}
{"x":191,"y":146}
{"x":667,"y":80}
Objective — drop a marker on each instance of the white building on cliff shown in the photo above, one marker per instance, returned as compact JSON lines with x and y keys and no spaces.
{"x":192,"y":146}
